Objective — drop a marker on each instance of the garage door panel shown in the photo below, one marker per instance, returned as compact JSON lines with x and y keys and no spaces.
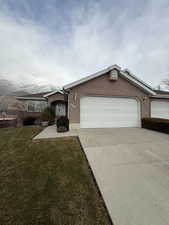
{"x":160,"y":109}
{"x":103,"y":112}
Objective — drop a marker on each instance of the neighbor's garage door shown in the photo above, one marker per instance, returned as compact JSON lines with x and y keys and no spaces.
{"x":102,"y":112}
{"x":160,"y":109}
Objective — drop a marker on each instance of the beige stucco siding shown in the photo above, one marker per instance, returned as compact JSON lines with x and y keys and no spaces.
{"x":102,"y":86}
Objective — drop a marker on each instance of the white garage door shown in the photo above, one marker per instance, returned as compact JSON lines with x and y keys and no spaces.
{"x":102,"y":112}
{"x":160,"y":109}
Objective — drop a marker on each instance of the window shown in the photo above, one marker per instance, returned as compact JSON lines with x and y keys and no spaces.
{"x":36,"y":106}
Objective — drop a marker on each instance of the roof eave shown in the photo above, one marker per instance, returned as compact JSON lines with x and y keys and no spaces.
{"x":32,"y":98}
{"x":161,"y":96}
{"x":52,"y":93}
{"x":139,"y":83}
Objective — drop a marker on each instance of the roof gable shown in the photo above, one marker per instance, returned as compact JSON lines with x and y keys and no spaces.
{"x":124,"y":73}
{"x":53,"y":93}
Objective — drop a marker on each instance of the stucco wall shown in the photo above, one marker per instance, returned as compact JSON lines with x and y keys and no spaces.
{"x":102,"y":86}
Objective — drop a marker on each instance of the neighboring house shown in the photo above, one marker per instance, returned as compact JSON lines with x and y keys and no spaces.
{"x":110,"y":98}
{"x":20,"y":108}
{"x":160,"y":104}
{"x":10,"y":111}
{"x":10,"y":103}
{"x":34,"y":104}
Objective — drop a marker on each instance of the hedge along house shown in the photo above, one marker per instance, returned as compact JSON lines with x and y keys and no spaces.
{"x":110,"y":98}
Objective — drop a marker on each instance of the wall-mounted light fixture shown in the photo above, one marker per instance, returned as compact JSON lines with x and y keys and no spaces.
{"x":144,"y":99}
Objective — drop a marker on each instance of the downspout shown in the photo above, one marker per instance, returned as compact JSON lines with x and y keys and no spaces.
{"x":66,"y":99}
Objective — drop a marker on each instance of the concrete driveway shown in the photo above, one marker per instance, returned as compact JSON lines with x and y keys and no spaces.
{"x":131,"y":167}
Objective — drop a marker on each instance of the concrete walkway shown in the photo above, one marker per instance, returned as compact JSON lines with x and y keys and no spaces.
{"x":50,"y":132}
{"x":131,"y":167}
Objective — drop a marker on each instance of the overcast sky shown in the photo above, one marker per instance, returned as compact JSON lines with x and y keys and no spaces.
{"x":59,"y":41}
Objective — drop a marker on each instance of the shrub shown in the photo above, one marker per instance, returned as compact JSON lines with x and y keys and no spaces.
{"x":157,"y":124}
{"x":48,"y":114}
{"x":62,"y":124}
{"x":28,"y":121}
{"x":8,"y":123}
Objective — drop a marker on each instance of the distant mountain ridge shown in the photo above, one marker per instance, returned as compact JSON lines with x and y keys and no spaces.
{"x":10,"y":88}
{"x":7,"y":87}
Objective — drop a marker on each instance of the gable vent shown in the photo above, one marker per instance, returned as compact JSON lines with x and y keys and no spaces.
{"x":113,"y":75}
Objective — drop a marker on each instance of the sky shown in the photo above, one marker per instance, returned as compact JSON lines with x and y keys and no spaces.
{"x":57,"y":42}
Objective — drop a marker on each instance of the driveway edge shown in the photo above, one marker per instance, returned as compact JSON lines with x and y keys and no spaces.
{"x":95,"y":182}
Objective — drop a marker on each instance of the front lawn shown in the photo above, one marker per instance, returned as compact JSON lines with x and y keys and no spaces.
{"x":46,"y":183}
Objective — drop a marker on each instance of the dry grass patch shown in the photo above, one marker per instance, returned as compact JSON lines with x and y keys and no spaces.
{"x":46,"y":183}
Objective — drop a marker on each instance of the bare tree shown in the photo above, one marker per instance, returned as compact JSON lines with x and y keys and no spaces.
{"x":165,"y":82}
{"x":158,"y":87}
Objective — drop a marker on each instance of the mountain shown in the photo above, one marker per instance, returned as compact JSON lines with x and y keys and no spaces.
{"x":12,"y":88}
{"x":36,"y":88}
{"x":19,"y":93}
{"x":6,"y":87}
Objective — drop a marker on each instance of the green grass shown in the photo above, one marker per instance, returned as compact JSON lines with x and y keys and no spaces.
{"x":46,"y":183}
